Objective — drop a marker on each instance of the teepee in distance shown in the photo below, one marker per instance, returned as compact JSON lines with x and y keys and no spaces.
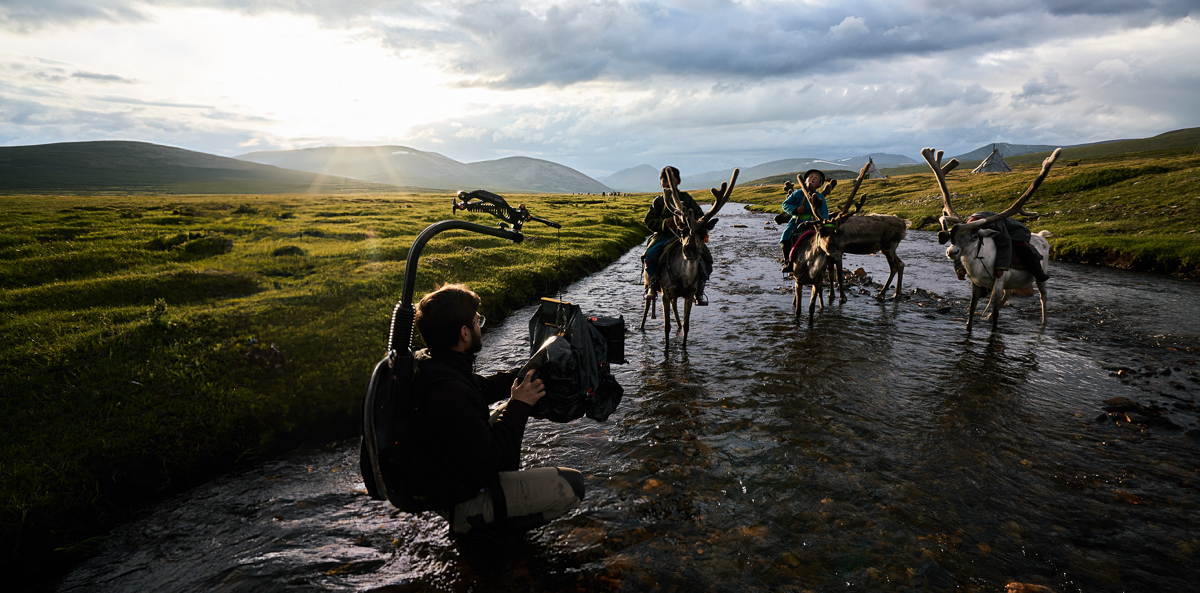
{"x":994,"y":163}
{"x":873,"y":171}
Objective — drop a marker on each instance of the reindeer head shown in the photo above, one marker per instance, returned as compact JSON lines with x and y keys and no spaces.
{"x":957,"y":231}
{"x":692,"y":231}
{"x":829,"y":230}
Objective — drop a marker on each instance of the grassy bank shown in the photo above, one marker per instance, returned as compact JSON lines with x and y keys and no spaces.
{"x":146,"y":343}
{"x":1132,"y":211}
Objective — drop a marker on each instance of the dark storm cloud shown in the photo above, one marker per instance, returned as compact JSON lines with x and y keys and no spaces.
{"x":506,"y":45}
{"x":513,"y":44}
{"x":31,"y":15}
{"x":96,"y":77}
{"x":1048,"y":91}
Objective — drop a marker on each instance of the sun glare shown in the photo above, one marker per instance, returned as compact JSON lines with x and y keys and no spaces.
{"x":281,"y":74}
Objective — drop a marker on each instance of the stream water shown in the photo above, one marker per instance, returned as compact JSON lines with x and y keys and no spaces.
{"x":884,"y":448}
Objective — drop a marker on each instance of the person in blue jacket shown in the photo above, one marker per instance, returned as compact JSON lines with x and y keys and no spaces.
{"x":797,"y":206}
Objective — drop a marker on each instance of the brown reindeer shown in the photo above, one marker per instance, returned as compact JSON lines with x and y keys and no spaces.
{"x":680,"y":274}
{"x":811,"y":258}
{"x":865,"y":235}
{"x":971,"y":242}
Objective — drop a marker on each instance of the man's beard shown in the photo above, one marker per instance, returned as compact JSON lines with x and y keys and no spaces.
{"x":476,"y":343}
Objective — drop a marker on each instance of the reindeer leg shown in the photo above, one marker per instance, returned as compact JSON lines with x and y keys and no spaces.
{"x":667,"y":318}
{"x":899,"y":267}
{"x":975,"y":291}
{"x":648,"y":308}
{"x":886,"y":285}
{"x":687,"y":317}
{"x":891,"y":260}
{"x":796,"y":299}
{"x":1041,"y":286}
{"x":832,"y":271}
{"x":812,"y":302}
{"x":675,"y":307}
{"x":998,"y":299}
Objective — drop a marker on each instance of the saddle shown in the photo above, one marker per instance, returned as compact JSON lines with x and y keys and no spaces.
{"x":797,"y":240}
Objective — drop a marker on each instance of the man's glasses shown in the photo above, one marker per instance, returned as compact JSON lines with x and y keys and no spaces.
{"x":480,"y":319}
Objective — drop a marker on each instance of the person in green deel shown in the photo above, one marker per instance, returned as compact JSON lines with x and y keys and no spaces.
{"x":662,"y":223}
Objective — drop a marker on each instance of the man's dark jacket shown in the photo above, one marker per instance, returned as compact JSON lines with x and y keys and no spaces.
{"x":659,"y":214}
{"x":461,"y":452}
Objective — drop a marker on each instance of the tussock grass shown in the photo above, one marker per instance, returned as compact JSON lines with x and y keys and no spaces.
{"x":132,"y":365}
{"x":1133,"y":211}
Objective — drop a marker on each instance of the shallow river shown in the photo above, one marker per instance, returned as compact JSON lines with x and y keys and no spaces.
{"x":881,"y":449}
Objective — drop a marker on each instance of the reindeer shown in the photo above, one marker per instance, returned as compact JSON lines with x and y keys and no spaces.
{"x":974,"y":247}
{"x":865,"y":235}
{"x":813,"y":258}
{"x":680,"y":274}
{"x":810,"y":265}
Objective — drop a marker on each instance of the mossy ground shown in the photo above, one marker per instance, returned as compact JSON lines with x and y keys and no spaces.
{"x":149,"y":342}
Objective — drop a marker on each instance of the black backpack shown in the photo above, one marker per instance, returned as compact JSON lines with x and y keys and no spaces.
{"x":389,"y":437}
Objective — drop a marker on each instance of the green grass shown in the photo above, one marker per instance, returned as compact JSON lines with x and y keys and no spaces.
{"x":1133,"y":211}
{"x":147,"y":343}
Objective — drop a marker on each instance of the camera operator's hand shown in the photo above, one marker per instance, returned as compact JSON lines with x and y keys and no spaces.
{"x":528,"y":390}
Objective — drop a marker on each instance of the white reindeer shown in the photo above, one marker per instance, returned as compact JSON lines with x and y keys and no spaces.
{"x":972,"y":244}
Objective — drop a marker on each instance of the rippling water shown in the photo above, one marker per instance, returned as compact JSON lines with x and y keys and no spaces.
{"x":881,"y":449}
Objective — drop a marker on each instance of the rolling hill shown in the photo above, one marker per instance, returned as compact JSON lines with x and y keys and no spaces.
{"x":644,"y":178}
{"x":401,"y":165}
{"x":142,"y":167}
{"x":1187,"y":139}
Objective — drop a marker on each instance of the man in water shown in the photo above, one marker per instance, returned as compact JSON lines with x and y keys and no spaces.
{"x":470,"y":458}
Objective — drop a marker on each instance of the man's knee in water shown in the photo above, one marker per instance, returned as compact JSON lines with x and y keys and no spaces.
{"x":574,"y":478}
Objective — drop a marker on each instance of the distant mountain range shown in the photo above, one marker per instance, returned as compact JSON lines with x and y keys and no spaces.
{"x":1006,"y":150}
{"x":644,"y":178}
{"x":141,"y":167}
{"x":401,"y":165}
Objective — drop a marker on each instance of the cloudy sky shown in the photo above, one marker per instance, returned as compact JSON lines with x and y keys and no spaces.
{"x":599,"y":85}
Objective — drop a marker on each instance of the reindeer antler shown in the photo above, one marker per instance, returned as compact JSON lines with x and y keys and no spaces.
{"x":940,"y":171}
{"x":845,"y":209}
{"x":808,"y":197}
{"x":671,"y":194}
{"x":720,"y":197}
{"x":1019,"y":205}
